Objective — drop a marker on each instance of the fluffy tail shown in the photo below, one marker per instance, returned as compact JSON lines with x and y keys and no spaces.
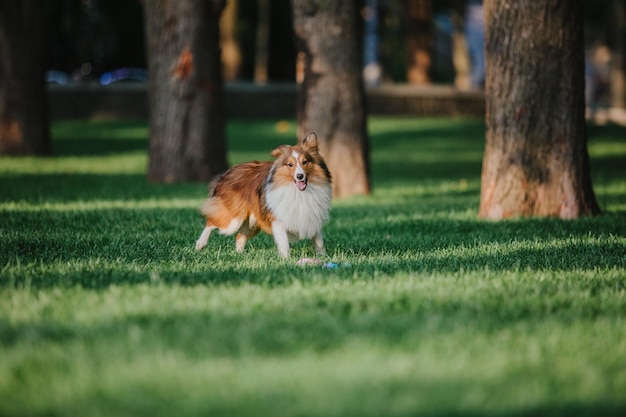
{"x":211,"y":206}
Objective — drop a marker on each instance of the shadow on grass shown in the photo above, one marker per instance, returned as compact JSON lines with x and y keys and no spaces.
{"x":385,"y":173}
{"x":99,"y":138}
{"x":65,"y":188}
{"x":99,"y":147}
{"x":607,"y":167}
{"x":439,"y":152}
{"x":423,"y":240}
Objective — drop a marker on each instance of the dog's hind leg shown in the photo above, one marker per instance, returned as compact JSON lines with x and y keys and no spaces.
{"x":240,"y":242}
{"x":204,"y":237}
{"x":246,"y":232}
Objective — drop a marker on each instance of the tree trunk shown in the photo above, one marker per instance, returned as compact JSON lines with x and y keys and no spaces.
{"x":24,"y":121}
{"x":331,"y":99}
{"x":185,"y":90}
{"x":231,"y":51}
{"x":418,"y":40}
{"x":536,"y":161}
{"x":262,"y":49}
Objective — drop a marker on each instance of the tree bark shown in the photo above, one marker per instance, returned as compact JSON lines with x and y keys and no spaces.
{"x":331,"y":98}
{"x":536,"y":161}
{"x":24,"y":120}
{"x":185,"y":90}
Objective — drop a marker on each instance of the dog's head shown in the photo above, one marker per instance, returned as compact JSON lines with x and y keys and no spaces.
{"x":300,"y":164}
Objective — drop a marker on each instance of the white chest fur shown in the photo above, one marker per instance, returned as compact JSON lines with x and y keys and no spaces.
{"x":302,"y":213}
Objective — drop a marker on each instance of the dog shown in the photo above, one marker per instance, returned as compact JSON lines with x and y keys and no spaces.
{"x":288,"y":198}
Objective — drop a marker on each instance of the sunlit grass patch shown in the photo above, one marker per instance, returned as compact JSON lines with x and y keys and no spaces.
{"x":106,"y":308}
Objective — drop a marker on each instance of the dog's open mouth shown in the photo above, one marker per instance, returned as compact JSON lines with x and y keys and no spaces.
{"x":301,"y":184}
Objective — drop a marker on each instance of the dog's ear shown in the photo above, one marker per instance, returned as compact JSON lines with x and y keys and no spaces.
{"x":281,"y":150}
{"x":310,"y":142}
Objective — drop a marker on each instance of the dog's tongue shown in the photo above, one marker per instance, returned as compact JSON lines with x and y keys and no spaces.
{"x":301,"y":185}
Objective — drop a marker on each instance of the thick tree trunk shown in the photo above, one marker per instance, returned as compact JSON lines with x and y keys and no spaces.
{"x":185,"y":90}
{"x":331,"y":96}
{"x":24,"y":122}
{"x":536,"y":161}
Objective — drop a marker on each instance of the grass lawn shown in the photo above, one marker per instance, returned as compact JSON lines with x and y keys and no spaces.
{"x":106,"y":309}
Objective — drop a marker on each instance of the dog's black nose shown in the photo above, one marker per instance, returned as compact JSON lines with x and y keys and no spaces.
{"x":300,"y":177}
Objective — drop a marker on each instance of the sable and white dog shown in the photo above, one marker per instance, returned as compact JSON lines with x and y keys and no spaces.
{"x":289,"y":198}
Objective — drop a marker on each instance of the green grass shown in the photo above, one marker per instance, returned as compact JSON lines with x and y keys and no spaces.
{"x":106,"y":309}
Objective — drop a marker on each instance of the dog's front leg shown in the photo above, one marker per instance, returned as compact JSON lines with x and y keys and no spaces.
{"x":281,"y":239}
{"x":318,"y":243}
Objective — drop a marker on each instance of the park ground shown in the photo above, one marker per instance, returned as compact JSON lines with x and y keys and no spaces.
{"x":106,"y":309}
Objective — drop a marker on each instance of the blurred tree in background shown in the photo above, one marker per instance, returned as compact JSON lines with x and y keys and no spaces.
{"x":187,"y":139}
{"x":620,"y":48}
{"x":421,"y":41}
{"x":24,"y":124}
{"x":88,"y":37}
{"x":331,"y":94}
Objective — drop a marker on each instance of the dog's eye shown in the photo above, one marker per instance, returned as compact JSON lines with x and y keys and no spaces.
{"x":304,"y":162}
{"x":290,"y":164}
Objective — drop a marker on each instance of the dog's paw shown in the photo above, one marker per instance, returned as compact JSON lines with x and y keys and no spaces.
{"x":200,"y":245}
